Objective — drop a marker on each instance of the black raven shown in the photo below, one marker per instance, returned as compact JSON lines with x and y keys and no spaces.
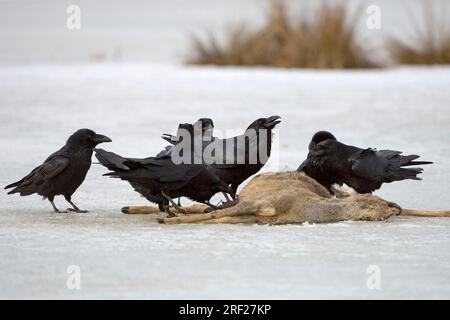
{"x":365,"y":170}
{"x":159,"y":180}
{"x":233,"y":159}
{"x":258,"y":140}
{"x":63,"y":171}
{"x":206,"y":125}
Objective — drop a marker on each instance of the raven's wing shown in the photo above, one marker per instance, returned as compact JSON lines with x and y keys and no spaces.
{"x":385,"y":165}
{"x":164,"y":170}
{"x":369,"y":165}
{"x":111,"y":160}
{"x":159,"y":169}
{"x":51,"y":168}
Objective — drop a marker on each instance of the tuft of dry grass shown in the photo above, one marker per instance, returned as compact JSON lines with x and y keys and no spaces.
{"x":431,"y":45}
{"x":327,"y":41}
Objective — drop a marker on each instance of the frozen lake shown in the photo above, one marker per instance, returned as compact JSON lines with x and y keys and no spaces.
{"x":123,"y":256}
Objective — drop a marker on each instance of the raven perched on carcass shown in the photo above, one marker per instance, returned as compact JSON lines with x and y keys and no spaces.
{"x":365,"y":170}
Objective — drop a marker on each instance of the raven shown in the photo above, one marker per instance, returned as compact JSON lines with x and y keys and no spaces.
{"x":63,"y":171}
{"x":235,"y":165}
{"x":365,"y":170}
{"x":205,"y":136}
{"x":206,"y":125}
{"x":257,"y":138}
{"x":159,"y":180}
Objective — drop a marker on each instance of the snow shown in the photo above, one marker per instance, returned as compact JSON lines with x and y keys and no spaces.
{"x":123,"y":256}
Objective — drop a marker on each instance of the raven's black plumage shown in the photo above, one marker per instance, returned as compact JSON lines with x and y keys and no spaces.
{"x":204,"y":123}
{"x":226,"y":166}
{"x":365,"y":170}
{"x":234,"y":173}
{"x":63,"y":171}
{"x":159,"y":180}
{"x":204,"y":127}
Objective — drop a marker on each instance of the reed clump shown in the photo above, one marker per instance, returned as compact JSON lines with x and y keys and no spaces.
{"x":430,"y":44}
{"x":327,"y":41}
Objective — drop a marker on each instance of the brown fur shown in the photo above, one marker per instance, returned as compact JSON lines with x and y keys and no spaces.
{"x":292,"y":197}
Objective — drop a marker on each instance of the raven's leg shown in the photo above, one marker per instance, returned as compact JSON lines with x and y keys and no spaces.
{"x":169,"y":213}
{"x":227,"y":197}
{"x":177,"y":207}
{"x":232,"y":192}
{"x":75,"y":208}
{"x":230,"y":203}
{"x":226,"y":190}
{"x":164,"y":207}
{"x":53,"y":204}
{"x":211,"y":207}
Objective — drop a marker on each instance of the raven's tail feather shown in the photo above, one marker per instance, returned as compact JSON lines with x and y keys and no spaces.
{"x":416,"y":163}
{"x":406,"y":161}
{"x":15,"y":190}
{"x":23,"y":187}
{"x":14,"y":184}
{"x":400,"y":167}
{"x":111,"y":160}
{"x":410,"y":173}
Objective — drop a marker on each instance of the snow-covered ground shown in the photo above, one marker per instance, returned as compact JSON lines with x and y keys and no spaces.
{"x":122,"y":256}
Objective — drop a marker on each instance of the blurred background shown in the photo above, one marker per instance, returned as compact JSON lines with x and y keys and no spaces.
{"x":160,"y":31}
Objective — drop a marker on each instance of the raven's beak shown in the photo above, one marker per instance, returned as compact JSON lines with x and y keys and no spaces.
{"x":99,"y":138}
{"x":272,"y":121}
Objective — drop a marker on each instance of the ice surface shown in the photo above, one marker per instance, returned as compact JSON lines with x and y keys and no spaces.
{"x":124,"y":256}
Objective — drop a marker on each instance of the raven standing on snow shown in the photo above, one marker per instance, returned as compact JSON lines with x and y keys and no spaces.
{"x":365,"y":170}
{"x":63,"y":171}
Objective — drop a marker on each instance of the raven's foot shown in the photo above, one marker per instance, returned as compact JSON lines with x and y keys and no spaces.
{"x":210,"y":208}
{"x":76,"y":210}
{"x":221,"y":205}
{"x":170,"y":214}
{"x":63,"y":211}
{"x":229,"y":204}
{"x":161,"y":220}
{"x":179,"y":209}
